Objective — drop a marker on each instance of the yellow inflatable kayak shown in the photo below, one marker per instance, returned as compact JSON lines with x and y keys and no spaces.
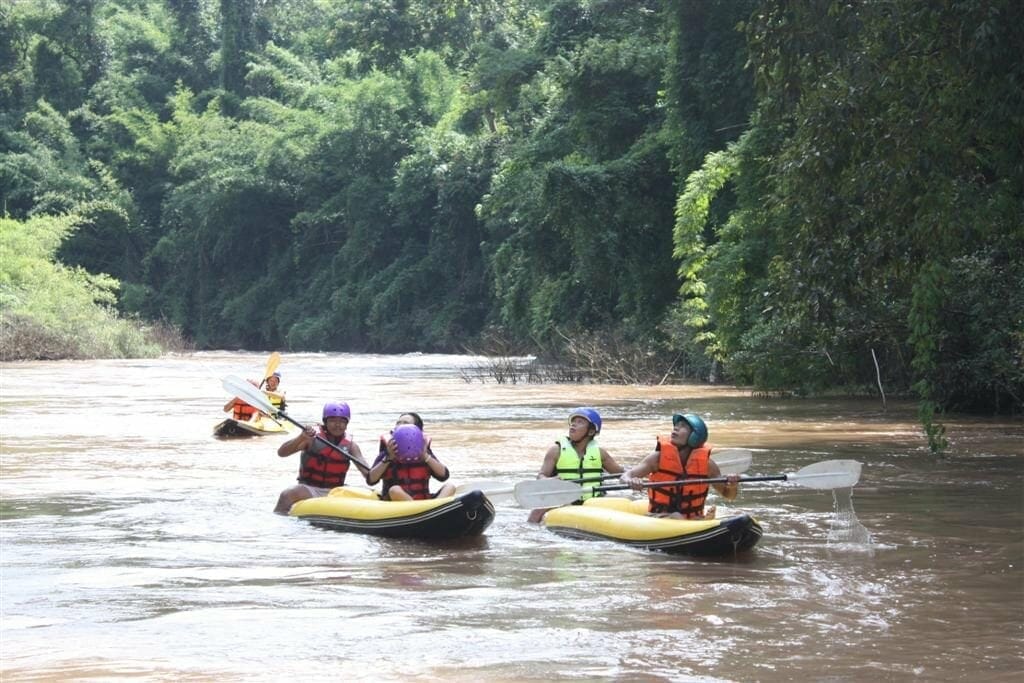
{"x":625,"y":521}
{"x":260,"y":425}
{"x":361,"y":511}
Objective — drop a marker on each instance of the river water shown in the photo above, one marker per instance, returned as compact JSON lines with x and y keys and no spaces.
{"x":135,"y":545}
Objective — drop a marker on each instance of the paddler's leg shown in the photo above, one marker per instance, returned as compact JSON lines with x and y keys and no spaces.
{"x":537,"y":515}
{"x":290,"y":496}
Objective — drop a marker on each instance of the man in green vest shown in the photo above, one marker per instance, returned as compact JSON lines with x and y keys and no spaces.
{"x":577,"y":457}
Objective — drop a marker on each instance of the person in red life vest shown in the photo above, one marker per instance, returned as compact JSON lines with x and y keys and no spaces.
{"x":405,"y":463}
{"x":321,"y":466}
{"x":685,"y":454}
{"x":242,"y":411}
{"x":577,"y":457}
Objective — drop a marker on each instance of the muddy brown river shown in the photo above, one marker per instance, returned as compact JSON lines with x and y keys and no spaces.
{"x":134,"y":545}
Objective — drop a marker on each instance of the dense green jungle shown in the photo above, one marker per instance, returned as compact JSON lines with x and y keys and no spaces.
{"x":802,"y":196}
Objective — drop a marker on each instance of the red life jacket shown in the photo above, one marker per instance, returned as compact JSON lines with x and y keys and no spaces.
{"x":414,"y":478}
{"x":324,"y":467}
{"x":242,"y":411}
{"x":687,"y":500}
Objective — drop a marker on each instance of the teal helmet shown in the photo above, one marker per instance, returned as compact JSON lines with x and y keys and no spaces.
{"x":698,"y":430}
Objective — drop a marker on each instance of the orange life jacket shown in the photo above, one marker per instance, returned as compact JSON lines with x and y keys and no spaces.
{"x":687,"y":500}
{"x":242,"y":411}
{"x":324,"y":467}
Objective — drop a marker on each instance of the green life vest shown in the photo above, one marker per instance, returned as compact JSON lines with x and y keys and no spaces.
{"x":588,"y":468}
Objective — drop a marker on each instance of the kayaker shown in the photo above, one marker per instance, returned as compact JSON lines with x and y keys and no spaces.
{"x":273,"y":392}
{"x":321,"y":466}
{"x":406,"y":462}
{"x":578,"y":456}
{"x":242,"y":411}
{"x":685,"y":454}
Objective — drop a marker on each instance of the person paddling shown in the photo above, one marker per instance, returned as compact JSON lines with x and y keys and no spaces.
{"x":577,"y":456}
{"x":685,"y":454}
{"x":321,"y":466}
{"x":243,"y":412}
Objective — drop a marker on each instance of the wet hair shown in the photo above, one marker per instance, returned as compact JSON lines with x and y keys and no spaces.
{"x":416,"y":419}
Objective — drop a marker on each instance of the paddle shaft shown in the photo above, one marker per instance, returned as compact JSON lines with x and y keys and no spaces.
{"x":683,"y":482}
{"x":830,"y":474}
{"x":244,"y":390}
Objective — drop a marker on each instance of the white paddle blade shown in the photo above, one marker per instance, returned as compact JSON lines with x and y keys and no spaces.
{"x":540,"y":493}
{"x":236,"y":386}
{"x":732,"y":460}
{"x":828,"y":474}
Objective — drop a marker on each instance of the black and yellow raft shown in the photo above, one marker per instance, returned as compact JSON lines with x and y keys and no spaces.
{"x":625,"y":521}
{"x":361,"y":511}
{"x":260,"y":425}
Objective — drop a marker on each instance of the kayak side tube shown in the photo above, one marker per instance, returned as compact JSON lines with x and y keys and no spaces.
{"x":362,"y":512}
{"x":625,"y":522}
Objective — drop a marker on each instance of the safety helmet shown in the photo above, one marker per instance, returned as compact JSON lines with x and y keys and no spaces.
{"x":588,"y":414}
{"x":337,"y":409}
{"x":408,"y":442}
{"x":698,"y":430}
{"x":276,"y":374}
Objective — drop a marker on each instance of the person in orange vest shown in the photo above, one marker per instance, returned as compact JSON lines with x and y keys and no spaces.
{"x":685,"y":454}
{"x":242,"y":411}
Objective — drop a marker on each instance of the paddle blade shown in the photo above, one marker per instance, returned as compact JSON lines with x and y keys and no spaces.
{"x":828,"y":474}
{"x":236,"y":386}
{"x":544,"y":493}
{"x":732,"y":460}
{"x":272,"y":363}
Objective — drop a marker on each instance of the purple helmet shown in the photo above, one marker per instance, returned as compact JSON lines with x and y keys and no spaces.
{"x":408,"y":442}
{"x":337,"y":409}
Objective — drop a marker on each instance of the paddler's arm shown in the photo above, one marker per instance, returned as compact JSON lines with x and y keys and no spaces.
{"x":296,"y":443}
{"x":357,"y":459}
{"x":728,"y":490}
{"x":547,"y":468}
{"x":634,"y":476}
{"x":608,"y":463}
{"x":433,"y":464}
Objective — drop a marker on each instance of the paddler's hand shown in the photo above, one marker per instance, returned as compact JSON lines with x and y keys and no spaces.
{"x":634,"y":483}
{"x":392,"y":448}
{"x":309,"y":431}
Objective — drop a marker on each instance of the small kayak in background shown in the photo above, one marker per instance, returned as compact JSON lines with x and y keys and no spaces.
{"x":625,"y":521}
{"x":258,"y":426}
{"x":361,"y":511}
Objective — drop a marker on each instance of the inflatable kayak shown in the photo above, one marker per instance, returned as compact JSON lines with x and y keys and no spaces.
{"x":625,"y":521}
{"x":258,"y":426}
{"x":361,"y":511}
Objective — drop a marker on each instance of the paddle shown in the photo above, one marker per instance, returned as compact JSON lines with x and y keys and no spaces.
{"x":729,"y":461}
{"x":254,"y":397}
{"x":829,"y":474}
{"x":272,"y":363}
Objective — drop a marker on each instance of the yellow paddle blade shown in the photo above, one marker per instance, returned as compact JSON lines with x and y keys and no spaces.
{"x":272,"y":363}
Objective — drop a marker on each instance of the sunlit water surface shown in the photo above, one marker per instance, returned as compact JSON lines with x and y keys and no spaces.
{"x":135,"y":545}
